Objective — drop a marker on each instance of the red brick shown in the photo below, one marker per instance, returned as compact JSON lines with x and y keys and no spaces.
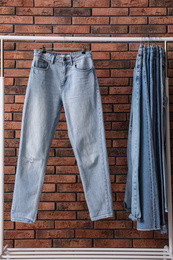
{"x":54,"y":233}
{"x":15,"y":234}
{"x":94,"y":233}
{"x":129,"y":3}
{"x":109,"y":47}
{"x":120,"y":90}
{"x":73,"y":224}
{"x":56,"y":215}
{"x":48,"y":187}
{"x":7,"y":10}
{"x":9,"y":170}
{"x":38,"y":225}
{"x":109,"y":11}
{"x":73,"y":243}
{"x":33,"y":29}
{"x":147,"y":29}
{"x":16,"y":19}
{"x":147,"y":11}
{"x":18,"y":3}
{"x":71,"y":206}
{"x":61,"y":161}
{"x":109,"y":29}
{"x":161,"y":20}
{"x":46,"y":206}
{"x":91,"y":3}
{"x":123,"y":55}
{"x":133,"y":234}
{"x":52,"y":20}
{"x":115,"y":99}
{"x":71,"y":29}
{"x":6,"y":28}
{"x":114,"y":81}
{"x":121,"y":160}
{"x":101,"y":243}
{"x":72,"y":12}
{"x":108,"y":224}
{"x":112,"y":64}
{"x":128,"y":20}
{"x":60,"y":178}
{"x":66,"y":169}
{"x":162,"y":3}
{"x":57,"y":196}
{"x":119,"y":143}
{"x":115,"y":134}
{"x":8,"y":225}
{"x":75,"y":187}
{"x":52,"y":3}
{"x":35,"y":243}
{"x":34,"y":11}
{"x":149,"y":243}
{"x":90,"y":20}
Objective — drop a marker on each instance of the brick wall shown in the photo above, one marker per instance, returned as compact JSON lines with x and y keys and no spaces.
{"x":114,"y":64}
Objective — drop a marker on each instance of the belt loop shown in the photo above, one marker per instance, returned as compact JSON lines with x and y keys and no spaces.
{"x":71,"y":60}
{"x":52,"y":59}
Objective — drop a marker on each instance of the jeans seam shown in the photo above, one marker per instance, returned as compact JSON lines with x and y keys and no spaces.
{"x":150,"y":160}
{"x":105,"y":180}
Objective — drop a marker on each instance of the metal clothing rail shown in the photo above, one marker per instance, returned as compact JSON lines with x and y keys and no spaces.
{"x":84,"y":253}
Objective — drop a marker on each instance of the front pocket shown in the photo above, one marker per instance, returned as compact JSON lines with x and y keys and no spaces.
{"x":84,"y":64}
{"x":40,"y":63}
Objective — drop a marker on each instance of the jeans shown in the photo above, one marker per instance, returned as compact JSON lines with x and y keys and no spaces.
{"x":70,"y":80}
{"x":164,"y":104}
{"x":144,"y":194}
{"x":133,"y":147}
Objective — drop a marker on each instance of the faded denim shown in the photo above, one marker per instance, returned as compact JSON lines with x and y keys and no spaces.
{"x":144,"y":194}
{"x":68,"y":80}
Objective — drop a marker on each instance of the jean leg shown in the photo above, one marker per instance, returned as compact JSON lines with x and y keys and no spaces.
{"x":41,"y":111}
{"x":164,"y":100}
{"x":83,"y":110}
{"x":150,"y":219}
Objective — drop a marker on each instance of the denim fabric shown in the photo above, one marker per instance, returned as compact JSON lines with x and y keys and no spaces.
{"x":132,"y":197}
{"x":67,"y":80}
{"x":158,"y":155}
{"x":164,"y":103}
{"x":144,"y":177}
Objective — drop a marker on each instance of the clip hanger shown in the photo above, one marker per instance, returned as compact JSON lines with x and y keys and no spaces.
{"x":43,"y":49}
{"x":83,"y":49}
{"x":149,"y":40}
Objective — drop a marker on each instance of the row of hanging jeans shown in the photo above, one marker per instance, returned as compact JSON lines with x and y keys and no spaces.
{"x":145,"y":194}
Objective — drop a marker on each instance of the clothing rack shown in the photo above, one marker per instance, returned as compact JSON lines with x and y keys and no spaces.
{"x":83,"y":253}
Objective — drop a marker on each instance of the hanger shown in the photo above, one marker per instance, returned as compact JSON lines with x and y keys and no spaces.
{"x":149,"y":40}
{"x":83,"y":48}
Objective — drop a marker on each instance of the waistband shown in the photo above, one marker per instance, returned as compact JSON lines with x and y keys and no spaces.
{"x":61,"y":57}
{"x":150,"y":48}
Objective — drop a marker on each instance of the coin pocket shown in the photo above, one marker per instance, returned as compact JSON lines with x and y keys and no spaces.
{"x":40,"y":63}
{"x":84,"y":64}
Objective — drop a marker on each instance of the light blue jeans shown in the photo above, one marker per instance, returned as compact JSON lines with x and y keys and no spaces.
{"x":68,"y":80}
{"x":144,"y":194}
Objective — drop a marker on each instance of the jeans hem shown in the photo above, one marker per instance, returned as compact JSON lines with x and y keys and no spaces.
{"x":24,"y":220}
{"x":163,"y":229}
{"x":103,"y":216}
